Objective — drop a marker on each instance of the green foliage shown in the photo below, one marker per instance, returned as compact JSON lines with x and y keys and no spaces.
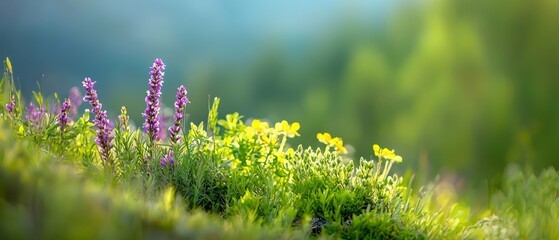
{"x":527,"y":207}
{"x":230,"y":179}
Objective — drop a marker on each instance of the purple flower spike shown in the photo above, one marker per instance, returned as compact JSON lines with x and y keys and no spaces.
{"x":104,"y":126}
{"x":169,"y":158}
{"x":151,"y":114}
{"x":91,"y":95}
{"x":175,"y":130}
{"x":62,"y":118}
{"x":104,"y":136}
{"x":75,"y":100}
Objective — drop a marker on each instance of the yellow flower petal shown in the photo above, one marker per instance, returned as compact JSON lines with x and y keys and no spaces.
{"x":324,"y":138}
{"x":376,"y":148}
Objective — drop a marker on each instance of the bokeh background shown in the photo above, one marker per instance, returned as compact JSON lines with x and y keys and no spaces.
{"x":459,"y":88}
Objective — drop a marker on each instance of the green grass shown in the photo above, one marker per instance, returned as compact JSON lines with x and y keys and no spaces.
{"x":232,"y":179}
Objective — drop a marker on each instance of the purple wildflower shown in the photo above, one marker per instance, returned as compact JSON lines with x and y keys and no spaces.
{"x":104,"y":126}
{"x":35,"y":115}
{"x":10,"y":107}
{"x":169,"y":158}
{"x":62,"y":118}
{"x":151,"y":114}
{"x":91,"y":95}
{"x":75,"y":100}
{"x":175,"y":130}
{"x":104,"y":136}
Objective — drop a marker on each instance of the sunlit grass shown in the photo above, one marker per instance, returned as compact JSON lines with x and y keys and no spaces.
{"x":223,"y":178}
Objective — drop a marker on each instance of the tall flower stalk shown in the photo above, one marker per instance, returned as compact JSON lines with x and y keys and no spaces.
{"x":175,"y":130}
{"x":104,"y":129}
{"x":151,"y":114}
{"x":62,"y":118}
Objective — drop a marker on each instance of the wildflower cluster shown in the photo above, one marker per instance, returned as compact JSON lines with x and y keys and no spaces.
{"x":151,"y":114}
{"x":236,"y":168}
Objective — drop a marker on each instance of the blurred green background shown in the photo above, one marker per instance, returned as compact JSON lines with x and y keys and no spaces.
{"x":459,"y":88}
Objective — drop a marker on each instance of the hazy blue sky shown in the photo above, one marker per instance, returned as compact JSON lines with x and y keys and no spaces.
{"x":60,"y":42}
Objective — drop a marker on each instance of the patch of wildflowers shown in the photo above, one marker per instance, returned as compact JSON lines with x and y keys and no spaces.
{"x":151,"y":114}
{"x":62,"y":118}
{"x":175,"y":130}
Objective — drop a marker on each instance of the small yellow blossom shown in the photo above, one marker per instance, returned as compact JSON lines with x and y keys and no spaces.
{"x":386,"y":153}
{"x":339,"y":144}
{"x":259,"y":126}
{"x":289,"y":130}
{"x":324,"y":138}
{"x":290,"y":152}
{"x":376,"y":149}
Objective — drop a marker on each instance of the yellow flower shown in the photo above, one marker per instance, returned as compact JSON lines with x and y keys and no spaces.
{"x":259,"y":126}
{"x":386,"y":153}
{"x":290,"y":152}
{"x":339,"y":144}
{"x":21,"y":130}
{"x":336,"y":142}
{"x":272,"y":139}
{"x":376,"y":149}
{"x":324,"y":138}
{"x":289,"y":130}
